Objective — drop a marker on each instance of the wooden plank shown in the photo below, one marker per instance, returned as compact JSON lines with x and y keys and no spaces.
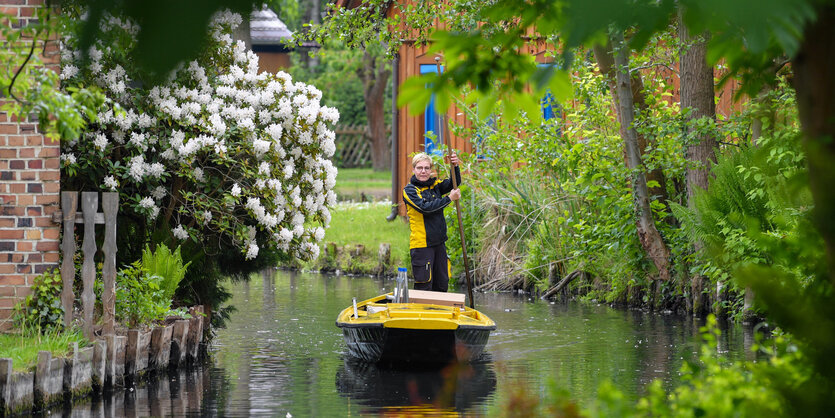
{"x":89,"y":206}
{"x":69,"y":204}
{"x":110,"y":206}
{"x":98,"y":218}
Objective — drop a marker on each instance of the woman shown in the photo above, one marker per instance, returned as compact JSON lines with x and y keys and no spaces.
{"x":425,"y":203}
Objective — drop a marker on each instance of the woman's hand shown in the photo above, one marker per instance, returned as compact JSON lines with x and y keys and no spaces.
{"x":453,"y":158}
{"x":455,"y":194}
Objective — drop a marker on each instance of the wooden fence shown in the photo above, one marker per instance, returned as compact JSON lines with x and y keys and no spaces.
{"x":353,"y":147}
{"x":89,"y":217}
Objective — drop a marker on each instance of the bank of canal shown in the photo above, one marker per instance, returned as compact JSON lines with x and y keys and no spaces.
{"x":281,"y":352}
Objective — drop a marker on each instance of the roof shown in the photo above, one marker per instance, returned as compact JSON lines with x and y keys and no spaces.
{"x":265,"y":28}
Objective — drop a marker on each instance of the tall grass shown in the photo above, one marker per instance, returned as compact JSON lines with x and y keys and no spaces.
{"x":23,"y":348}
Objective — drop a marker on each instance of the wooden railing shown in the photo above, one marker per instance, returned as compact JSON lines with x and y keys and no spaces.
{"x":89,"y":217}
{"x":353,"y":148}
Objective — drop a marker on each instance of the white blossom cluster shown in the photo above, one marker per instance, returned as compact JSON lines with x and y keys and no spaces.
{"x":242,"y":154}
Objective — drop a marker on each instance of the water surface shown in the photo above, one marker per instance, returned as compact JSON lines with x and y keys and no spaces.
{"x":282,"y":353}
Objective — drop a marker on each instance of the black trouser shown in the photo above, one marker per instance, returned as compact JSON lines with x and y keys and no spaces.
{"x":430,"y":267}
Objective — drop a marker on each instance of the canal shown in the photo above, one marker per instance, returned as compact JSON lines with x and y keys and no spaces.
{"x":281,"y":353}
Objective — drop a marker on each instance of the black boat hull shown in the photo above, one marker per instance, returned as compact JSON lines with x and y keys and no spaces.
{"x":377,"y":344}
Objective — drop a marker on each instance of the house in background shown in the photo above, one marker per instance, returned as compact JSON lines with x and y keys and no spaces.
{"x":409,"y":134}
{"x":270,"y":39}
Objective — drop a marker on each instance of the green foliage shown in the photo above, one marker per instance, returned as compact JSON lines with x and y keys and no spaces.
{"x":167,"y":265}
{"x":42,"y":309}
{"x":34,"y":88}
{"x":140,"y":298}
{"x":24,"y":346}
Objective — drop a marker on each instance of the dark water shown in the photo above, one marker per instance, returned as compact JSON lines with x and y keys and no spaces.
{"x":281,"y":353}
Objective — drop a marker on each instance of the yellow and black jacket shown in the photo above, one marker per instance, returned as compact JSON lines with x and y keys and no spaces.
{"x":425,"y":203}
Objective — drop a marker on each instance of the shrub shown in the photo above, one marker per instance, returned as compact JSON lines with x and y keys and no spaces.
{"x":42,"y":309}
{"x":140,"y":299}
{"x":167,"y":265}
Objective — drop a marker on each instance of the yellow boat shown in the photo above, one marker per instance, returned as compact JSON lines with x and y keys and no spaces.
{"x":433,"y":327}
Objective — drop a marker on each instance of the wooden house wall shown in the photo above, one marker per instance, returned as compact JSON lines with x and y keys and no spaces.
{"x":410,"y":127}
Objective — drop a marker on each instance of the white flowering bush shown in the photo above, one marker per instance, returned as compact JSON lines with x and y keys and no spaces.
{"x":216,"y":153}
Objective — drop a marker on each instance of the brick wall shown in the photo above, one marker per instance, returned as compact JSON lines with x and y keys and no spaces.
{"x":29,"y":191}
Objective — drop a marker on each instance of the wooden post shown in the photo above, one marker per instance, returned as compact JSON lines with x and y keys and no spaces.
{"x":110,"y":206}
{"x":89,"y":206}
{"x":69,"y":205}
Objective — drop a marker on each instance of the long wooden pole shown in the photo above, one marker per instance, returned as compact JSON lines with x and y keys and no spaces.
{"x":445,"y":129}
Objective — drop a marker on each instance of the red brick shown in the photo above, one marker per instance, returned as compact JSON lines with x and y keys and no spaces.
{"x":11,"y":233}
{"x":8,"y":199}
{"x":17,"y":164}
{"x":52,"y":187}
{"x":28,"y":175}
{"x":6,"y":222}
{"x":42,"y":268}
{"x":51,"y":233}
{"x":15,"y":140}
{"x":27,"y":11}
{"x":23,"y":291}
{"x":8,"y":153}
{"x":12,"y":211}
{"x":34,"y":140}
{"x":49,"y":175}
{"x":26,"y":153}
{"x":24,"y":268}
{"x":33,"y":234}
{"x":34,"y":258}
{"x":6,"y":269}
{"x":49,"y":152}
{"x":44,"y":221}
{"x":7,"y":303}
{"x":28,"y":128}
{"x":4,"y":164}
{"x":50,"y":209}
{"x":35,"y":164}
{"x":25,"y":200}
{"x":53,"y":163}
{"x":47,"y":199}
{"x":24,"y":246}
{"x":8,"y":175}
{"x":8,"y":128}
{"x":45,"y":246}
{"x":51,"y":142}
{"x":34,"y":211}
{"x":14,"y":258}
{"x":7,"y":291}
{"x":52,"y":257}
{"x":11,"y":279}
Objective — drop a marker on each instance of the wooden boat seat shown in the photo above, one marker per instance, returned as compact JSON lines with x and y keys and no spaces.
{"x":436,"y":298}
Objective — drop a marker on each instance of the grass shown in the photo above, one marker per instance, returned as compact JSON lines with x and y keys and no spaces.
{"x":352,"y":183}
{"x":364,"y":224}
{"x":23,"y":348}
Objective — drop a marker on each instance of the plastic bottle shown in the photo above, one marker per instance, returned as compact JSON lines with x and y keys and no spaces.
{"x":403,"y":284}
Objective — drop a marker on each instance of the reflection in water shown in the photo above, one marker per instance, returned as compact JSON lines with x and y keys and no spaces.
{"x":454,"y":388}
{"x":282,"y":353}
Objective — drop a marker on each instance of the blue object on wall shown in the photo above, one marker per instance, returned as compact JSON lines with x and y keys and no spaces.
{"x":431,"y":119}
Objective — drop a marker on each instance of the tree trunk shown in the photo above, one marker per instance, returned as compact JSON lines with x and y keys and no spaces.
{"x":697,"y":96}
{"x":374,"y":75}
{"x":605,"y":61}
{"x":651,"y":240}
{"x":813,"y":67}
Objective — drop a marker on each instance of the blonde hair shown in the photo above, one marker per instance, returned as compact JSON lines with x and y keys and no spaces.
{"x":421,"y":156}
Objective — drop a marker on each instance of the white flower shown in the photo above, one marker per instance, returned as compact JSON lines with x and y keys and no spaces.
{"x":68,"y":158}
{"x":264,"y":168}
{"x":69,"y":71}
{"x":159,"y":192}
{"x":136,"y":167}
{"x":147,"y":202}
{"x":198,"y":174}
{"x":100,"y":141}
{"x":180,"y":232}
{"x":318,"y":233}
{"x":252,"y":251}
{"x":155,"y":170}
{"x":236,"y":190}
{"x":207,"y":217}
{"x":111,"y":183}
